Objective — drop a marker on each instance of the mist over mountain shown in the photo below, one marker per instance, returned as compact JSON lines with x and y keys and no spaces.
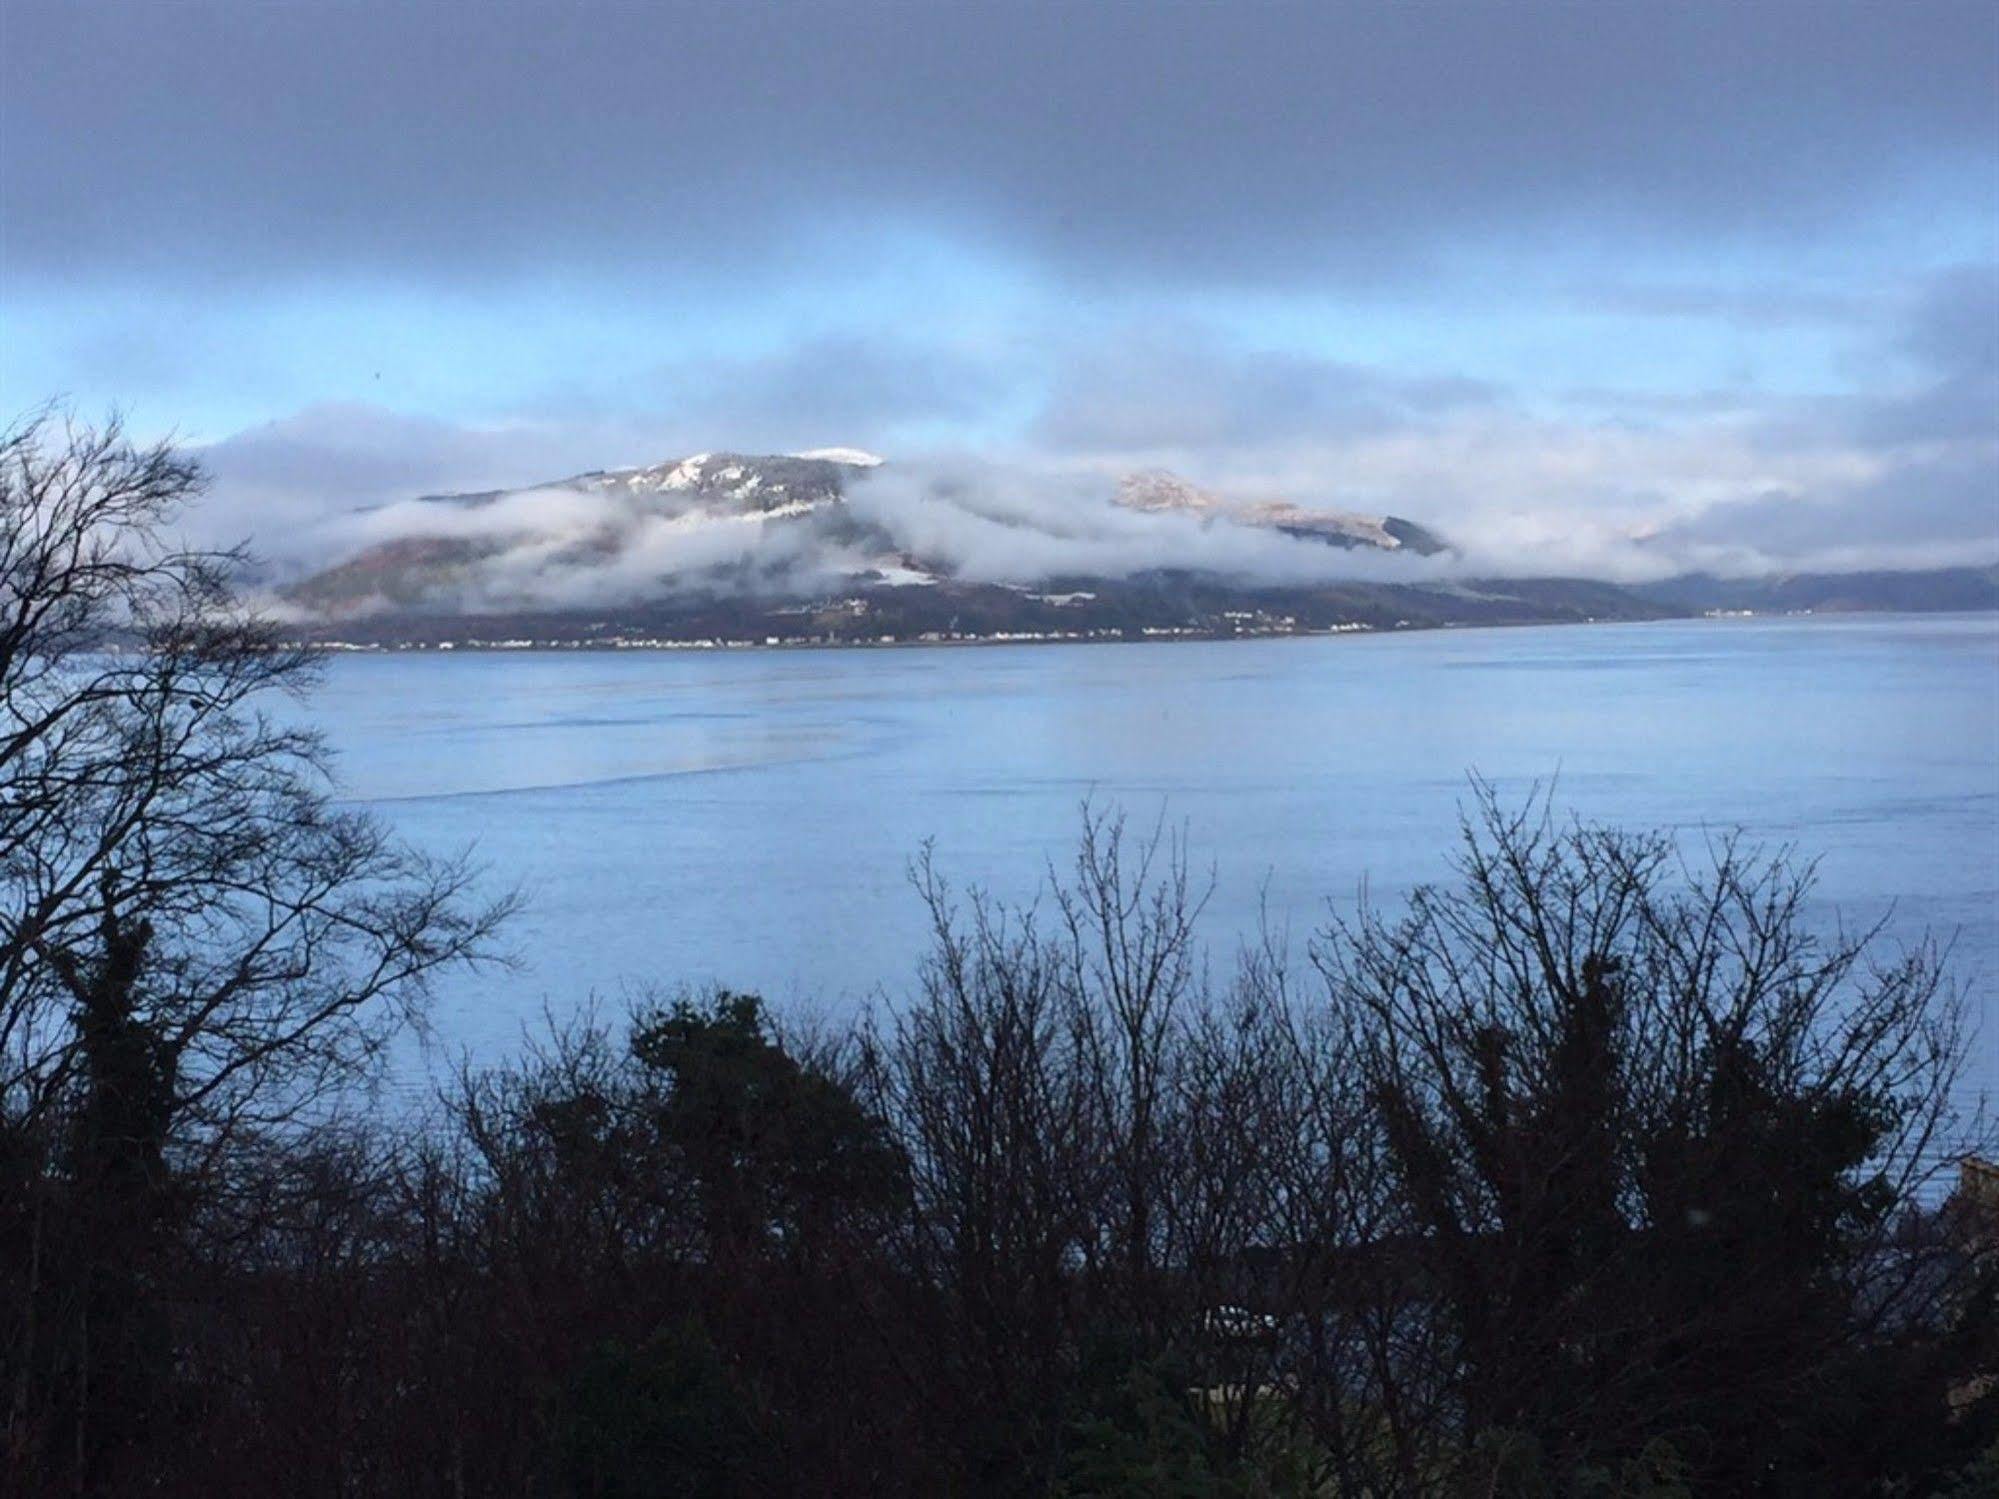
{"x":789,"y":525}
{"x":840,"y":545}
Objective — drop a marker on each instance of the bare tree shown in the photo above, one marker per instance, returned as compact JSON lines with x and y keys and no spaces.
{"x":979,"y":1079}
{"x":1654,"y":1142}
{"x":195,"y":942}
{"x":1111,"y":1164}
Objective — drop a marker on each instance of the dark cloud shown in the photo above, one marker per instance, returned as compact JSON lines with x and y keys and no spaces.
{"x":843,"y":389}
{"x":1954,"y":326}
{"x":1909,"y":475}
{"x":1180,"y":388}
{"x":1932,"y":510}
{"x":1947,"y":340}
{"x":1235,"y":141}
{"x":1761,"y":305}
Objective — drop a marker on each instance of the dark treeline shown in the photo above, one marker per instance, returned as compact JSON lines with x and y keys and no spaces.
{"x":1597,"y":1170}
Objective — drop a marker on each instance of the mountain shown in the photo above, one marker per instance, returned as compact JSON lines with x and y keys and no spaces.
{"x":734,"y":483}
{"x":1159,"y":492}
{"x":773,"y":525}
{"x":1927,"y":591}
{"x":824,"y":547}
{"x":748,"y":521}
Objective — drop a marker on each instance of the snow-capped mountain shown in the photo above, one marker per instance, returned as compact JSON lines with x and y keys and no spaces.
{"x":739,"y":485}
{"x":834,"y":546}
{"x":734,"y":482}
{"x":1160,"y":492}
{"x":722,"y":518}
{"x":773,"y":525}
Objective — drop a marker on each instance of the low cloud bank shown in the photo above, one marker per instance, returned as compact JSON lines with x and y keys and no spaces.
{"x":579,"y":545}
{"x":982,"y":520}
{"x":997,"y":522}
{"x":1899,"y":473}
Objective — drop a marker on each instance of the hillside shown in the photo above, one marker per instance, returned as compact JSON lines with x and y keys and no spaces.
{"x":819,"y":548}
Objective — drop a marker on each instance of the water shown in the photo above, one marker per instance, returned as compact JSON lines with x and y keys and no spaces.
{"x":748,"y":818}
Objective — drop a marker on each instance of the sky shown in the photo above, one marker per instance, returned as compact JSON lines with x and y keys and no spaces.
{"x":1718,"y":280}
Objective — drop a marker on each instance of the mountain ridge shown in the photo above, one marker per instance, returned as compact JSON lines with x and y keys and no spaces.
{"x":794,"y":506}
{"x":724,"y":546}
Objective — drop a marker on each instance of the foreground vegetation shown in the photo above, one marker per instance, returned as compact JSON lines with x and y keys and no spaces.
{"x":1596,"y":1171}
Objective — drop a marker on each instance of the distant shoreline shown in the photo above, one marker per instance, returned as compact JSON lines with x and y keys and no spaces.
{"x":1155,"y":636}
{"x":1150,"y":636}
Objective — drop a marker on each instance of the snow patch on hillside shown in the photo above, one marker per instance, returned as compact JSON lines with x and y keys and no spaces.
{"x":851,"y":457}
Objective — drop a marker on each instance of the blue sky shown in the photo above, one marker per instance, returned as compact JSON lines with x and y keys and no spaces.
{"x":1519,"y":267}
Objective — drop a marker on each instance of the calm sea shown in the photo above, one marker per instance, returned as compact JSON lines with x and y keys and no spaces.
{"x":748,"y":817}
